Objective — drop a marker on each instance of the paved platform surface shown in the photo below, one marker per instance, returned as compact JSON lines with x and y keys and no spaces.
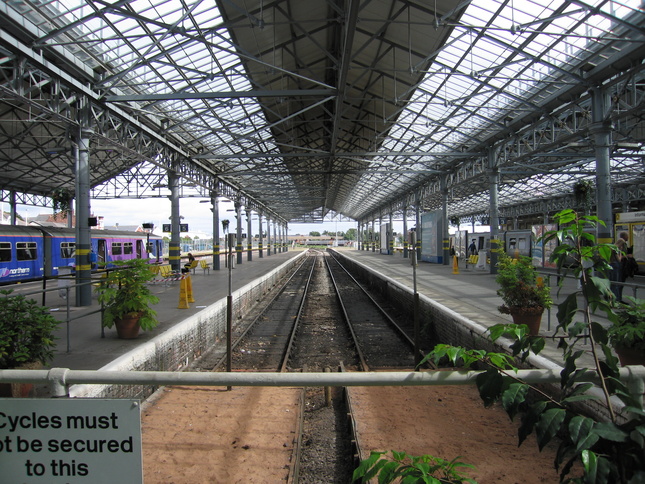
{"x":89,"y":351}
{"x":471,"y":293}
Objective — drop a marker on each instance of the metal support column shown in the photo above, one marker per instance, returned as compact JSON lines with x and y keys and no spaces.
{"x":390,"y":242}
{"x":12,"y":207}
{"x":275,"y":237}
{"x":417,"y":245}
{"x":268,"y":236}
{"x":249,"y":235}
{"x":601,"y":130}
{"x":174,"y":256}
{"x":405,"y":233}
{"x":286,"y":237}
{"x":493,"y":174}
{"x":83,"y":239}
{"x":238,"y":245}
{"x":216,"y":246}
{"x":444,"y":216}
{"x":260,"y":247}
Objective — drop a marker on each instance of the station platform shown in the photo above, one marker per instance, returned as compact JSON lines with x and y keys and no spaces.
{"x":89,"y":351}
{"x":471,"y":293}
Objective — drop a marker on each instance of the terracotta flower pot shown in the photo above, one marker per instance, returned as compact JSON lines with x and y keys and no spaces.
{"x":532,"y":319}
{"x":630,"y":356}
{"x":128,"y":327}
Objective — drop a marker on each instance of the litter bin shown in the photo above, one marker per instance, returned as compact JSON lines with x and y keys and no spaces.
{"x":64,"y":280}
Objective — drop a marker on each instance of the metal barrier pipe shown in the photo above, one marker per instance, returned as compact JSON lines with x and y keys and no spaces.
{"x":59,"y":378}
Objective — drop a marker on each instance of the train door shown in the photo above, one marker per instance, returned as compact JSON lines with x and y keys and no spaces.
{"x":139,"y":249}
{"x":101,"y":251}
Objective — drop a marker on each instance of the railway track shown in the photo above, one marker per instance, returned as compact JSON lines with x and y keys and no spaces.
{"x":320,"y":319}
{"x":380,"y":341}
{"x":266,"y":344}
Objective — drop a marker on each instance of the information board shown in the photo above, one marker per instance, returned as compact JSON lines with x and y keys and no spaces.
{"x":70,"y":441}
{"x":432,"y":237}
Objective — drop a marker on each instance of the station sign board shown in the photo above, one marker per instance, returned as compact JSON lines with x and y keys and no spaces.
{"x":630,"y":217}
{"x":70,"y":441}
{"x":168,"y":227}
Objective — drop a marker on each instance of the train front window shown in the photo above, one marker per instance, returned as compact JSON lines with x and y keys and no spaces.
{"x":67,"y":250}
{"x":26,"y":251}
{"x":5,"y":251}
{"x":116,"y":248}
{"x":127,"y":248}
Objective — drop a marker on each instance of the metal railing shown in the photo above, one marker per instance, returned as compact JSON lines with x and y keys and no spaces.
{"x":59,"y":379}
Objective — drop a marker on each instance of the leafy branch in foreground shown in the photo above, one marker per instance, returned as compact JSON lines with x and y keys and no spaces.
{"x":410,"y":469}
{"x":605,"y":452}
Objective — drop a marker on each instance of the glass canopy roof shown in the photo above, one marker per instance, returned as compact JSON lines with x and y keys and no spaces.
{"x":305,"y":107}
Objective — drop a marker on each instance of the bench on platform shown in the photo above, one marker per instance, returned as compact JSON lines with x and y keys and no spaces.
{"x":205,"y":266}
{"x":167,"y":275}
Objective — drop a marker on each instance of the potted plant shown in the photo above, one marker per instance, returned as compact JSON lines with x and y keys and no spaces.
{"x":26,"y":337}
{"x":126,"y":298}
{"x":525,"y":296}
{"x":627,"y":332}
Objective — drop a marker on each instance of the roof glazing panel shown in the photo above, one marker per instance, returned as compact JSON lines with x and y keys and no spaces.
{"x":420,"y":83}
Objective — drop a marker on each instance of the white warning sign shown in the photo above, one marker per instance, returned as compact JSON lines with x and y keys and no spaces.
{"x":70,"y":441}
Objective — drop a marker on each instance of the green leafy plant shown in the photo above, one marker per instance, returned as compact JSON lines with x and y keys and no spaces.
{"x":519,"y":287}
{"x":604,"y":452}
{"x":124,"y":292}
{"x":26,"y":331}
{"x":408,"y":469}
{"x":628,"y":328}
{"x":582,"y":193}
{"x":61,"y":200}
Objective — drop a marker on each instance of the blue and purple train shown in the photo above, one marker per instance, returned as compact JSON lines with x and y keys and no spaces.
{"x":29,"y":253}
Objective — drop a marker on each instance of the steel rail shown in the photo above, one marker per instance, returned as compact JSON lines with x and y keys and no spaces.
{"x":391,"y":321}
{"x":294,"y":329}
{"x":252,"y":324}
{"x":359,"y":351}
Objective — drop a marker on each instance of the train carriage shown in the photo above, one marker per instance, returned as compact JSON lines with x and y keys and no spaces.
{"x":21,"y":254}
{"x":29,"y":253}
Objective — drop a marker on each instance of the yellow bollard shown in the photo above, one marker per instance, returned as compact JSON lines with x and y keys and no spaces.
{"x":183,"y":294}
{"x":189,"y":285}
{"x":455,"y":265}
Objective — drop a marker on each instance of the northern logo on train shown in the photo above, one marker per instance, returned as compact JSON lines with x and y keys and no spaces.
{"x":4,"y":272}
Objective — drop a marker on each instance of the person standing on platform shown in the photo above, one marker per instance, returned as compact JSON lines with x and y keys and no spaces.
{"x":472,"y":248}
{"x":629,"y":264}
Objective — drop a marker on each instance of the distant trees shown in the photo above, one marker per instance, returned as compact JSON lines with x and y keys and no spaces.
{"x":314,"y":234}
